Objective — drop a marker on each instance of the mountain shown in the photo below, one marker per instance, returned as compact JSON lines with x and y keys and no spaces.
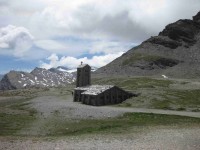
{"x":39,"y":77}
{"x":175,"y":52}
{"x":1,"y":76}
{"x":93,"y":69}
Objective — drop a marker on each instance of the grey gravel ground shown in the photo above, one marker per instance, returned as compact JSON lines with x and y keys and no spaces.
{"x":156,"y":139}
{"x":46,"y":105}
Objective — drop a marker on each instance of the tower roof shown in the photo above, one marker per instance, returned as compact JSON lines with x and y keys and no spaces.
{"x":83,"y":65}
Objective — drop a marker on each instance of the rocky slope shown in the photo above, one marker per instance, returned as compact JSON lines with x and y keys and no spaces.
{"x":39,"y":77}
{"x":1,"y":76}
{"x":175,"y":52}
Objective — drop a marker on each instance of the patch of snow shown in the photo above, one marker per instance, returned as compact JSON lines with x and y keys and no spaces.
{"x":45,"y":80}
{"x":31,"y":81}
{"x":164,"y":76}
{"x":71,"y":70}
{"x":63,"y":70}
{"x":24,"y":85}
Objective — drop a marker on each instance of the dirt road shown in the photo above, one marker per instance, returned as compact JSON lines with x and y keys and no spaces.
{"x":47,"y":105}
{"x":155,"y":139}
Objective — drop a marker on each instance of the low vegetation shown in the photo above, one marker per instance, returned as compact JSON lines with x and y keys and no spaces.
{"x":138,"y":56}
{"x":134,"y":83}
{"x":158,"y":93}
{"x":15,"y":116}
{"x":116,"y":125}
{"x":11,"y":124}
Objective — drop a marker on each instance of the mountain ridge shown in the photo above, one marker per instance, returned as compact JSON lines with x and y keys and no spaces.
{"x":38,"y":77}
{"x":174,"y":52}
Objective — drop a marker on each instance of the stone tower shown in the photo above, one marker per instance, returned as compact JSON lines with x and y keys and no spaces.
{"x":83,"y":75}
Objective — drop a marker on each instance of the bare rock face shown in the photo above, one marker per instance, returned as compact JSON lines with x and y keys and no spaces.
{"x":164,"y":41}
{"x":39,"y":77}
{"x":174,"y":52}
{"x":197,"y":17}
{"x":182,"y":31}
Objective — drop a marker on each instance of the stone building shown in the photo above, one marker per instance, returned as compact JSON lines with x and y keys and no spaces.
{"x":83,"y":75}
{"x":96,"y":95}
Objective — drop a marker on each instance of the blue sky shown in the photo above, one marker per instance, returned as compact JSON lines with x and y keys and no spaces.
{"x":51,"y":33}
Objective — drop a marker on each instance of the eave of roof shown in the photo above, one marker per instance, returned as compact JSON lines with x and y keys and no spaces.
{"x":94,"y":89}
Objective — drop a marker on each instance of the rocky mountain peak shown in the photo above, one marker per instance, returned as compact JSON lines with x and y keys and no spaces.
{"x":62,"y":67}
{"x":174,"y":52}
{"x":196,"y":18}
{"x":39,"y":77}
{"x":38,"y":69}
{"x":182,"y":31}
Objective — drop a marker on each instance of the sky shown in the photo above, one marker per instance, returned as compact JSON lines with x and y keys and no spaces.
{"x":51,"y":33}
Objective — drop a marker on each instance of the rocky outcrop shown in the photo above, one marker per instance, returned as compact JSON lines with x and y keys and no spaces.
{"x":39,"y":77}
{"x":197,"y":17}
{"x":164,"y":41}
{"x":182,"y":31}
{"x":174,"y":52}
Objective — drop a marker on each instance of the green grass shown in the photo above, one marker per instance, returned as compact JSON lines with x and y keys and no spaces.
{"x":134,"y":83}
{"x":163,"y":97}
{"x":164,"y":104}
{"x":138,"y":56}
{"x":183,"y":98}
{"x":10,"y":124}
{"x":60,"y":127}
{"x":156,"y":93}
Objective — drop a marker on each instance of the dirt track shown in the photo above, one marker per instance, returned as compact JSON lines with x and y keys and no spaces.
{"x":159,"y":139}
{"x":46,"y":105}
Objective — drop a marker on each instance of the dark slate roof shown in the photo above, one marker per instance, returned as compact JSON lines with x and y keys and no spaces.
{"x":94,"y":89}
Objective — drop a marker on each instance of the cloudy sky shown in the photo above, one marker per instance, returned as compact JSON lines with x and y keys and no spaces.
{"x":51,"y":33}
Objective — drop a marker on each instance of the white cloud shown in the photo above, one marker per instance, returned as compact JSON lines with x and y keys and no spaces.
{"x":99,"y":22}
{"x":78,"y":47}
{"x":72,"y":62}
{"x":109,"y":47}
{"x":17,"y":39}
{"x":114,"y":19}
{"x":50,"y":45}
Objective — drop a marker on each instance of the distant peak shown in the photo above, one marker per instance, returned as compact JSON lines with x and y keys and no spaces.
{"x":62,"y":67}
{"x":196,"y":18}
{"x":37,"y":68}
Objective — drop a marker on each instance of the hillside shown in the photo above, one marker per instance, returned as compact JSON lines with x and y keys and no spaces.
{"x":1,"y":76}
{"x":175,"y":52}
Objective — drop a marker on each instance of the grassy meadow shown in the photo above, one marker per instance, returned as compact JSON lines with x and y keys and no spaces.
{"x":160,"y":93}
{"x":17,"y":115}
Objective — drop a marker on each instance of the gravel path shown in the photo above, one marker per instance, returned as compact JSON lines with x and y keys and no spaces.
{"x":154,"y":139}
{"x":47,"y":105}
